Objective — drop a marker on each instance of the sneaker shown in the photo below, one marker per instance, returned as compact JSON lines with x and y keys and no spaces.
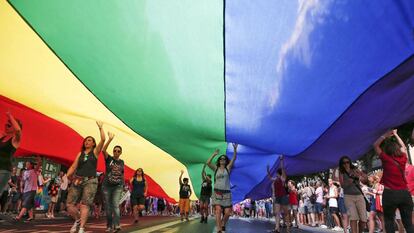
{"x":323,"y":226}
{"x":337,"y":228}
{"x":75,"y":226}
{"x":223,"y":229}
{"x":117,"y":229}
{"x":202,"y":219}
{"x":205,"y":219}
{"x":108,"y":229}
{"x":81,"y":230}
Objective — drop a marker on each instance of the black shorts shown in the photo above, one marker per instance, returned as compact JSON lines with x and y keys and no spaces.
{"x":333,"y":210}
{"x":29,"y":199}
{"x":160,"y":208}
{"x":137,"y":200}
{"x":63,"y":196}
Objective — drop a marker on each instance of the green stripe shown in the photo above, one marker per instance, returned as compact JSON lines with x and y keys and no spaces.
{"x":157,"y":65}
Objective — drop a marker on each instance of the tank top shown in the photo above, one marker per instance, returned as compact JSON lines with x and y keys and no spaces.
{"x":206,"y":189}
{"x":138,"y":187}
{"x":222,"y":178}
{"x":332,"y":201}
{"x":349,"y":187}
{"x":6,"y":153}
{"x":185,"y":191}
{"x":87,"y":165}
{"x":279,"y":187}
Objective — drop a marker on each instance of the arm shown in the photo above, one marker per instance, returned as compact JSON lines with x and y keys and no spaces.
{"x":73,"y":167}
{"x":230,"y":165}
{"x":282,"y":166}
{"x":98,"y":147}
{"x":105,"y":147}
{"x":209,"y":164}
{"x":17,"y":129}
{"x":145,"y":189}
{"x":400,"y":141}
{"x":270,"y":175}
{"x":378,"y":142}
{"x":180,"y":181}
{"x":203,"y":172}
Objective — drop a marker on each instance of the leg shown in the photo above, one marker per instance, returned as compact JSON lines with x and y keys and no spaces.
{"x":107,"y":192}
{"x":227,"y":213}
{"x":406,"y":211}
{"x":389,"y":206}
{"x":361,"y":226}
{"x":218,"y":217}
{"x":116,"y":196}
{"x":277,"y":215}
{"x":84,"y":212}
{"x":336,"y":219}
{"x":371,"y":222}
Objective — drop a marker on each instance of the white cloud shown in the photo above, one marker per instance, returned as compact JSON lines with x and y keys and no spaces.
{"x":310,"y":14}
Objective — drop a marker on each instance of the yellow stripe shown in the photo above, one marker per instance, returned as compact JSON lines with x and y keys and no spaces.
{"x":32,"y":75}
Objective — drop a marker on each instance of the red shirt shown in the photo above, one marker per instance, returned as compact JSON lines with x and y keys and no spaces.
{"x":409,"y":176}
{"x":392,"y":177}
{"x":293,"y":198}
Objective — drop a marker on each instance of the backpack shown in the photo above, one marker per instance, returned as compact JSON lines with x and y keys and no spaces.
{"x":312,"y":197}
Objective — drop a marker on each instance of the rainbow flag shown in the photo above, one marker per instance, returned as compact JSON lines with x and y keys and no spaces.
{"x":174,"y":80}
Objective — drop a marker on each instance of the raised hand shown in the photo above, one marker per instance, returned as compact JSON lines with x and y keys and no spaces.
{"x":182,"y":172}
{"x":216,"y":152}
{"x":111,"y":135}
{"x":99,"y":124}
{"x":235,"y":145}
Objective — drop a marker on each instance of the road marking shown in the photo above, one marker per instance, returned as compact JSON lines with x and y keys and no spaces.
{"x":159,"y":227}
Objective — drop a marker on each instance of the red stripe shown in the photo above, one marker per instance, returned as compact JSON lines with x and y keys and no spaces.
{"x":42,"y":135}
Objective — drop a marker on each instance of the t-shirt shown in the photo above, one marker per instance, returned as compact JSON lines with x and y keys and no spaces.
{"x":409,"y":176}
{"x":319,"y":195}
{"x":392,"y":177}
{"x":30,"y":180}
{"x":114,"y":171}
{"x":293,"y":198}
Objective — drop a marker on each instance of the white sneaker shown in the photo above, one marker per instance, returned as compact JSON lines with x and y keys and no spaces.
{"x":337,"y":229}
{"x":323,"y":226}
{"x":75,"y":226}
{"x":81,"y":230}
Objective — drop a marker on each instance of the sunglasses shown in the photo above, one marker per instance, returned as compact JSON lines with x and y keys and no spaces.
{"x":222,"y":159}
{"x":118,"y":151}
{"x":346,"y":162}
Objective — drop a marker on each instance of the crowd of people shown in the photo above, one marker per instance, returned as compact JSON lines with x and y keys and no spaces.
{"x":350,"y":201}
